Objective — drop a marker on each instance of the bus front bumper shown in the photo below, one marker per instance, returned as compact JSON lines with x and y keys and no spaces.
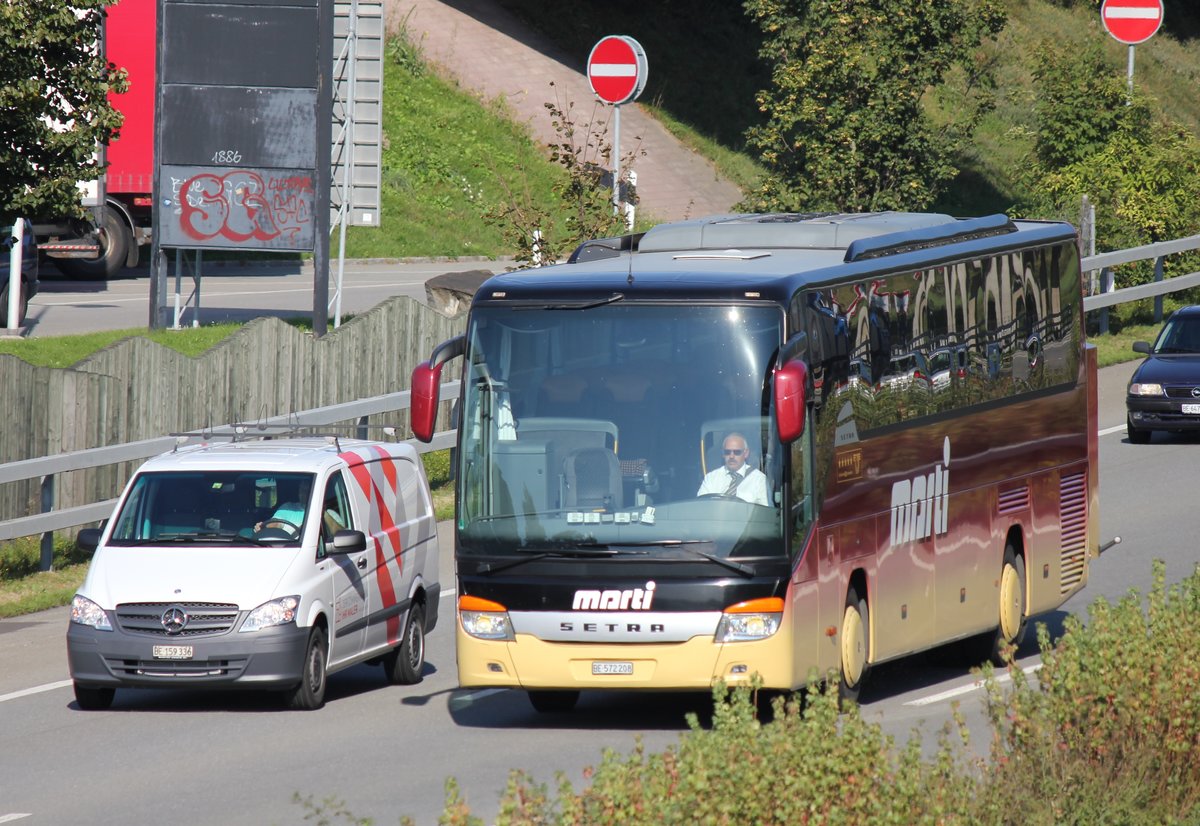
{"x":695,"y":665}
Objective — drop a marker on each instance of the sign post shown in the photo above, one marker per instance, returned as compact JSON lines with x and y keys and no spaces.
{"x":1131,"y":22}
{"x":617,"y":70}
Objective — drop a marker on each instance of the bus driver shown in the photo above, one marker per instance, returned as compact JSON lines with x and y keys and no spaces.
{"x":736,"y":477}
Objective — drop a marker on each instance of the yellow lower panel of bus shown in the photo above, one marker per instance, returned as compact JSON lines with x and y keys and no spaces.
{"x":694,"y":665}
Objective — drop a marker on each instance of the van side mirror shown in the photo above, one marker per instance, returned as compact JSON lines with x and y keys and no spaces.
{"x":791,"y":386}
{"x":88,"y":540}
{"x":348,"y":542}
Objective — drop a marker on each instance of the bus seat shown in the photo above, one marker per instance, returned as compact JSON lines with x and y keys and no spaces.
{"x":593,"y":479}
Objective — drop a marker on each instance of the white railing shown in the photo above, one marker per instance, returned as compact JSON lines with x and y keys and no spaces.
{"x":47,"y":467}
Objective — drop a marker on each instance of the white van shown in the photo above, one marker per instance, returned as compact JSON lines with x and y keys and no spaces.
{"x":267,"y":564}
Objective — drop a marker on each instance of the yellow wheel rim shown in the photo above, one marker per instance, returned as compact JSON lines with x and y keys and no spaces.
{"x":1011,"y":599}
{"x":854,"y":646}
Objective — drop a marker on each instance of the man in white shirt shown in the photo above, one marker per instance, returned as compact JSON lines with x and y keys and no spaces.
{"x":736,"y":477}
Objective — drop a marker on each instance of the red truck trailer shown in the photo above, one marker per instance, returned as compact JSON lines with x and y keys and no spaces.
{"x":119,"y":224}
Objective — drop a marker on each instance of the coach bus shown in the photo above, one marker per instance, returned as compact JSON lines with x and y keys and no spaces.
{"x":786,"y":445}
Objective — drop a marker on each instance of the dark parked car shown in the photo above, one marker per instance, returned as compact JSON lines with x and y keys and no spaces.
{"x":29,"y":269}
{"x":1164,"y":392}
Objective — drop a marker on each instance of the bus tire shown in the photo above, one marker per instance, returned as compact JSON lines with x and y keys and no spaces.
{"x":551,"y":702}
{"x":1011,"y":628}
{"x":309,"y":694}
{"x":855,"y":646}
{"x":404,"y":663}
{"x":115,"y":239}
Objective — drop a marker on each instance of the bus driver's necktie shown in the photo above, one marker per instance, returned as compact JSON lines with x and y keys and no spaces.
{"x":735,"y":479}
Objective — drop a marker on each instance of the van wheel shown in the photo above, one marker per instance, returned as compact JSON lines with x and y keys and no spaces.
{"x":22,"y":304}
{"x":93,"y":699}
{"x":855,"y":647}
{"x":403,"y":664}
{"x":551,"y":702}
{"x":309,"y":695}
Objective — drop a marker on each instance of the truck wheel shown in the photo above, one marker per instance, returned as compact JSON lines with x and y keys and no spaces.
{"x":309,"y":695}
{"x":403,"y":663}
{"x":22,"y":305}
{"x":93,"y":699}
{"x":115,"y":238}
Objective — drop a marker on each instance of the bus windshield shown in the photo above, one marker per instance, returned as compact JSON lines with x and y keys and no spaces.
{"x":621,"y":427}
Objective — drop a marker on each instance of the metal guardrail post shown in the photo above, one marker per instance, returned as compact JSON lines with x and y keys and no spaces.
{"x":1158,"y":277}
{"x":47,"y":561}
{"x":1106,"y":286}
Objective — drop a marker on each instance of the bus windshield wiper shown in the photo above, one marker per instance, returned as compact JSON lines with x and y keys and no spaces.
{"x":682,"y":544}
{"x":584,"y":551}
{"x":612,"y":299}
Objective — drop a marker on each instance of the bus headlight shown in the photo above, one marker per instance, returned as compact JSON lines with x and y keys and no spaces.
{"x":754,"y":619}
{"x":484,"y":619}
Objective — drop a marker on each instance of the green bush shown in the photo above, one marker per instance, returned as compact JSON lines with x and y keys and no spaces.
{"x":23,"y":557}
{"x":1111,"y":731}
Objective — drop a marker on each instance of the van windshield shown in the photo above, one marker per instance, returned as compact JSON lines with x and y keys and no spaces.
{"x":214,"y":507}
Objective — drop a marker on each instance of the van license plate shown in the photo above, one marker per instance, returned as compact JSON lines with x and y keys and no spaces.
{"x":1192,"y":409}
{"x":172,"y":652}
{"x":612,"y":668}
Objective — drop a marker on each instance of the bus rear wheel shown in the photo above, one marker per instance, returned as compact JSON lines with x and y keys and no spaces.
{"x":1010,"y":620}
{"x":855,"y":646}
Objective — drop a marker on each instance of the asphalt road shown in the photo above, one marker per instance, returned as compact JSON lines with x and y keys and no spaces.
{"x":228,"y":292}
{"x":386,"y":751}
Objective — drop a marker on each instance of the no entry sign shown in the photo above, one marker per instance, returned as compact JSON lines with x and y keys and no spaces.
{"x":1132,"y":21}
{"x":617,"y":69}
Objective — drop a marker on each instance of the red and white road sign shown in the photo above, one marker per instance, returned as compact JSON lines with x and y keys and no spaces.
{"x":1132,"y":21}
{"x":617,"y":69}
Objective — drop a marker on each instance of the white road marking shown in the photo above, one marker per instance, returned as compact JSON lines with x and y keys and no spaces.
{"x":38,"y":689}
{"x":951,"y":693}
{"x":462,"y":700}
{"x":1114,"y":429}
{"x":14,"y":816}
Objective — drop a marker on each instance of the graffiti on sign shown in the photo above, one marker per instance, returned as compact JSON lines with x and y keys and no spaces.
{"x":242,"y":208}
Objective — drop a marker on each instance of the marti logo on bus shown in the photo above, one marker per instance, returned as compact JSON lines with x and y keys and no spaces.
{"x":921,"y":505}
{"x":631,"y":599}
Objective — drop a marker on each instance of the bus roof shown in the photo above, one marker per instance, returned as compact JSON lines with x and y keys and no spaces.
{"x":769,"y":255}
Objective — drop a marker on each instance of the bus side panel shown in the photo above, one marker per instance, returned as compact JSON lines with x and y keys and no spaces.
{"x":967,"y":565}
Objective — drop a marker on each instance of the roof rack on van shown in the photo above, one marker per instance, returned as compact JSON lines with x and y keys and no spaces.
{"x":242,"y":431}
{"x":927,"y":237}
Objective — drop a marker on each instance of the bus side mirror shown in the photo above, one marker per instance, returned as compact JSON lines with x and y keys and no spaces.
{"x":791,"y":382}
{"x":426,"y":381}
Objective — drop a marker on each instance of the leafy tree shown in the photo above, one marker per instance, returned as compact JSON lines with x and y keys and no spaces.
{"x":847,"y":127}
{"x":1139,"y":169}
{"x":54,"y":90}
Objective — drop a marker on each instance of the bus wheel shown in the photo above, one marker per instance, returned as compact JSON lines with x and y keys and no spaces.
{"x":856,"y":646}
{"x":309,"y":695}
{"x":115,"y":239}
{"x":1012,"y":604}
{"x":549,"y":702}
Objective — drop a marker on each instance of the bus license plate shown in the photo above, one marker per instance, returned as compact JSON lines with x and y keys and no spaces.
{"x":1193,"y":409}
{"x":172,"y":652}
{"x":612,"y":668}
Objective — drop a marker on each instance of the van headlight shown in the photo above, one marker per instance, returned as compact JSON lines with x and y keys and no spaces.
{"x":276,"y":612}
{"x":754,"y":619}
{"x":484,"y":619}
{"x":86,"y":612}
